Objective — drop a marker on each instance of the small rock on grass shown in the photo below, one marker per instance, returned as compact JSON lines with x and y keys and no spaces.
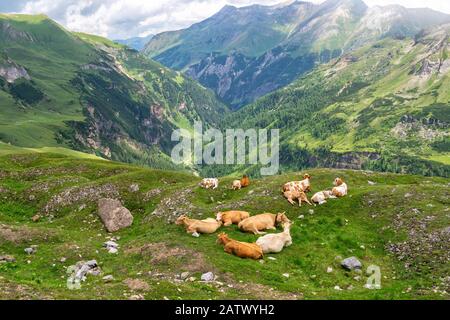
{"x":108,"y":278}
{"x":30,"y":250}
{"x":184,"y":275}
{"x":208,"y":277}
{"x":134,"y":188}
{"x":351,"y":264}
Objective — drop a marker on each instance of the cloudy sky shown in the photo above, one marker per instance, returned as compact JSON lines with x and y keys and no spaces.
{"x":120,"y":19}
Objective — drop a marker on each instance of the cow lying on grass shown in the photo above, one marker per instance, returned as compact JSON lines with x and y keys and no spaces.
{"x":237,"y":185}
{"x":240,"y":249}
{"x":265,"y":221}
{"x":340,"y":189}
{"x":197,"y":227}
{"x":209,"y":183}
{"x":245,"y":181}
{"x":322,"y":197}
{"x":296,"y":194}
{"x":276,"y":242}
{"x":232,"y":217}
{"x":304,"y":185}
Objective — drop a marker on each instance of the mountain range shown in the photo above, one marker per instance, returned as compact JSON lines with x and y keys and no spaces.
{"x":349,"y":86}
{"x":245,"y":53}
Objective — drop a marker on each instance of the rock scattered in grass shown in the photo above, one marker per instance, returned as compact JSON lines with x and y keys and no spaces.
{"x":351,"y":264}
{"x":184,"y":275}
{"x":111,"y":246}
{"x":31,"y":250}
{"x":108,"y":278}
{"x":134,"y":188}
{"x":208,"y":277}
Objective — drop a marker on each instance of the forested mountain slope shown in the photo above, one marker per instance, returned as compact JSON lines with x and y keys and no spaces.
{"x":389,"y":100}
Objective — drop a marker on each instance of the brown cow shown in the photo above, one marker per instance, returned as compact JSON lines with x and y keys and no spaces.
{"x":241,"y":249}
{"x":232,"y":217}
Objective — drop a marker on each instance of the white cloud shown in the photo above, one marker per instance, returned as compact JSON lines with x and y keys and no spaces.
{"x":127,"y":18}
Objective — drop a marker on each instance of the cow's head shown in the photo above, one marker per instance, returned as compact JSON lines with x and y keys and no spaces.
{"x":281,"y":218}
{"x":338,"y":182}
{"x":181,"y":219}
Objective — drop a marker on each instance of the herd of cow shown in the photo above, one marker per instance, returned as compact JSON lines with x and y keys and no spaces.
{"x":267,"y":243}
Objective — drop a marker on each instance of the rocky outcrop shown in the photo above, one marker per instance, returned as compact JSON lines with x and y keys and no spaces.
{"x":11,"y":33}
{"x":428,"y":129}
{"x":113,"y":215}
{"x":12,"y":71}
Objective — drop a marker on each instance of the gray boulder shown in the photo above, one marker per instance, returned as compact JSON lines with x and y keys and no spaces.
{"x":351,"y":264}
{"x":113,"y":215}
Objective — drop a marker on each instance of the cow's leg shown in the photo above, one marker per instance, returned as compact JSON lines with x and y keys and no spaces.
{"x":257,"y":232}
{"x":228,"y":250}
{"x":291,"y":201}
{"x":227,"y":223}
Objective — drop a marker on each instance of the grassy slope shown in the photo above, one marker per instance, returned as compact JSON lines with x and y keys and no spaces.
{"x":361,"y":225}
{"x":51,"y":69}
{"x":72,"y":70}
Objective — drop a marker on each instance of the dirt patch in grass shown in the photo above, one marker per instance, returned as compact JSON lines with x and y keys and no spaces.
{"x":162,"y":254}
{"x":262,"y":292}
{"x":137,"y":284}
{"x":13,"y":291}
{"x":21,"y":234}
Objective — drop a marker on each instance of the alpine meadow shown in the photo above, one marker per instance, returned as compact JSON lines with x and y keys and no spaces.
{"x":346,"y":101}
